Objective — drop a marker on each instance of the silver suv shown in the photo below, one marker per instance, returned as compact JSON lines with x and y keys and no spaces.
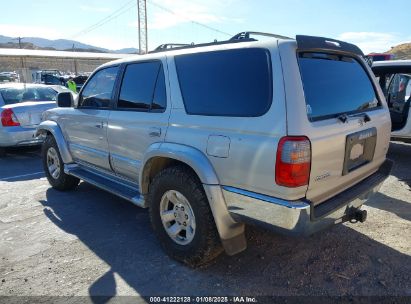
{"x":288,"y":134}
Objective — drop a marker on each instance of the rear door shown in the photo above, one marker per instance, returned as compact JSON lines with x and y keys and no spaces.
{"x":140,"y":116}
{"x":339,"y":107}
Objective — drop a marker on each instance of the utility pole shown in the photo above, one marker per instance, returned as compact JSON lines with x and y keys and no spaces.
{"x":19,"y":39}
{"x":142,"y":26}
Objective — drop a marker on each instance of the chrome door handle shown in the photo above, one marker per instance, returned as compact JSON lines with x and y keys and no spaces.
{"x":100,"y":126}
{"x":154,"y":132}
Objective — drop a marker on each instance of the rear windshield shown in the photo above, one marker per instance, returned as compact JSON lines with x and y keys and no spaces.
{"x":335,"y":85}
{"x":17,"y":95}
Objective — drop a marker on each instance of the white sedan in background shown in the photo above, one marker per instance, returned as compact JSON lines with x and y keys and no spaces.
{"x":21,"y":107}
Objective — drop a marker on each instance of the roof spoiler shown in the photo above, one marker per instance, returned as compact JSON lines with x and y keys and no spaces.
{"x":309,"y":43}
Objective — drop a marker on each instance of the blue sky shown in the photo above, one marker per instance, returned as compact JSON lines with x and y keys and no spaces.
{"x":374,"y":25}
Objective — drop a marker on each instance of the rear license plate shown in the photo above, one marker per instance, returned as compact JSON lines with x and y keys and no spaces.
{"x":359,"y":149}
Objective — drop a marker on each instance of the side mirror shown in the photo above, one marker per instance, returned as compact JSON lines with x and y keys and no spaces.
{"x":65,"y":100}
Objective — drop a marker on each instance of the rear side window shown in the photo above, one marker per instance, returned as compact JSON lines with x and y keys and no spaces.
{"x":143,"y":87}
{"x":226,"y":83}
{"x":335,"y":85}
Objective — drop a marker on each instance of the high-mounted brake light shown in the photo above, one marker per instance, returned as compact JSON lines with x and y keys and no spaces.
{"x":292,"y":168}
{"x":8,"y":119}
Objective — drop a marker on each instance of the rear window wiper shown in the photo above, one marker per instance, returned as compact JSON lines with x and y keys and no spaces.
{"x":345,"y":117}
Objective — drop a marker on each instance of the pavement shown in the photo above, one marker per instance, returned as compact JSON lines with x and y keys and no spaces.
{"x":89,"y":242}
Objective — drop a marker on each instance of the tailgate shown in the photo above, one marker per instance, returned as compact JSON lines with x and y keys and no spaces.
{"x":345,"y":153}
{"x":29,"y":113}
{"x":337,"y":104}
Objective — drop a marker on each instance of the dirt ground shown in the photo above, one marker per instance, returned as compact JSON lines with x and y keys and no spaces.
{"x":89,"y":242}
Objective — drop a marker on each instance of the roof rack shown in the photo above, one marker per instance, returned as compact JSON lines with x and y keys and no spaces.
{"x":168,"y":46}
{"x":240,"y":37}
{"x":246,"y":36}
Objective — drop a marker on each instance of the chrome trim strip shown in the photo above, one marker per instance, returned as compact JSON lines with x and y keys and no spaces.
{"x":300,"y":204}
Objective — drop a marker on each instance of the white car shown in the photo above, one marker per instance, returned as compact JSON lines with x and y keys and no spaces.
{"x":21,"y":107}
{"x":395,"y":80}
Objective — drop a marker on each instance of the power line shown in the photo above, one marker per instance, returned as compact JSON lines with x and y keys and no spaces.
{"x":131,"y":4}
{"x":185,"y":17}
{"x":120,"y":11}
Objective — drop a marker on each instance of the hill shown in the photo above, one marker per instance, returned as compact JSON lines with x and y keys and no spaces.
{"x":36,"y":43}
{"x":401,"y":51}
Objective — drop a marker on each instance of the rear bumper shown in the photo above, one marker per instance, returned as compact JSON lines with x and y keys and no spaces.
{"x":301,"y":217}
{"x":18,"y":136}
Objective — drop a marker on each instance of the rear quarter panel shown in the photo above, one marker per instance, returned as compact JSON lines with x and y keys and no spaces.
{"x":250,"y":161}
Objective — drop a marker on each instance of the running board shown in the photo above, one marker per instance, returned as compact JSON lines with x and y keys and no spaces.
{"x":109,"y":183}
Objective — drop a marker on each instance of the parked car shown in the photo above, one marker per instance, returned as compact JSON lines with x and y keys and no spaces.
{"x":6,"y":78}
{"x":9,"y":77}
{"x":395,"y":80}
{"x":21,"y":107}
{"x":381,"y":56}
{"x":51,"y":77}
{"x":290,"y":135}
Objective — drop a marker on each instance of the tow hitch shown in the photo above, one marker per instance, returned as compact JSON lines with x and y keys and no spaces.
{"x":355,"y":215}
{"x":359,"y":216}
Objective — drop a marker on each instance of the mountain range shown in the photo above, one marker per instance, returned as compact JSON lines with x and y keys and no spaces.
{"x":58,"y":44}
{"x":402,"y":51}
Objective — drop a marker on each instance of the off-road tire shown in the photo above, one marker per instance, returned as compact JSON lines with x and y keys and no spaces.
{"x":206,"y":244}
{"x":64,"y":181}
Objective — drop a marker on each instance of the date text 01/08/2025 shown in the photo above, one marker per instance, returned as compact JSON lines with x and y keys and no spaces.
{"x":203,"y":299}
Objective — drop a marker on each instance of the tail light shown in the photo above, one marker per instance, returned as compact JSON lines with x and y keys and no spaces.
{"x":292,"y":168}
{"x":8,"y":119}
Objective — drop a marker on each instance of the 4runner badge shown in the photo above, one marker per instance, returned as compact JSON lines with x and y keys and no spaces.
{"x":322,"y":176}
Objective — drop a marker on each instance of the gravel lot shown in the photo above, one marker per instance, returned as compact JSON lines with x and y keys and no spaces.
{"x":89,"y":242}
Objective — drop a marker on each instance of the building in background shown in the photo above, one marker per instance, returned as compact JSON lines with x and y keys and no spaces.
{"x":27,"y":62}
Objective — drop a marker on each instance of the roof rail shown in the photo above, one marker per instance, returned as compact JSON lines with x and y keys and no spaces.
{"x":240,"y":37}
{"x":246,"y":36}
{"x":169,"y":46}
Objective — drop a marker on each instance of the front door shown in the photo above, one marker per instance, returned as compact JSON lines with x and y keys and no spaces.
{"x":398,"y":99}
{"x":85,"y":127}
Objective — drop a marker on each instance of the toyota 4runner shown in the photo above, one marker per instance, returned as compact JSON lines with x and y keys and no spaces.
{"x":287,"y":134}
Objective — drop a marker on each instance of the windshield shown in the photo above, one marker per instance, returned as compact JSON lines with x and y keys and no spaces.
{"x":335,"y":84}
{"x":17,"y":95}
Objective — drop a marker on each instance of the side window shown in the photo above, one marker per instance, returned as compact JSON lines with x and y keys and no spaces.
{"x":98,"y":91}
{"x":160,"y":95}
{"x":226,"y":83}
{"x":143,"y":87}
